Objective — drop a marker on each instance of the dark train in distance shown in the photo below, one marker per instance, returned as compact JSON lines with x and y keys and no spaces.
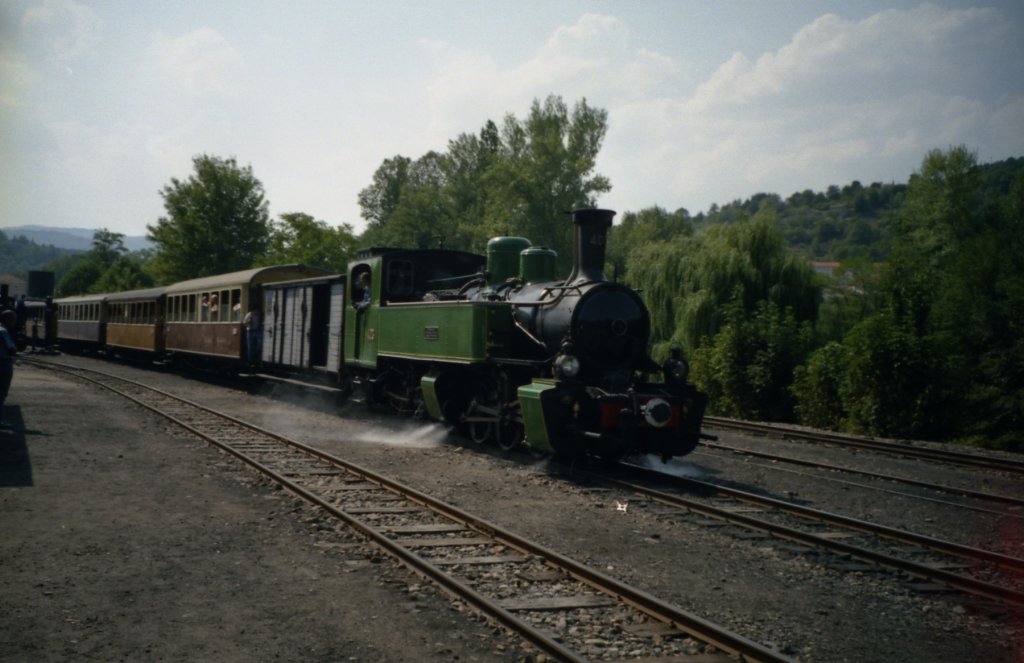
{"x":496,"y":346}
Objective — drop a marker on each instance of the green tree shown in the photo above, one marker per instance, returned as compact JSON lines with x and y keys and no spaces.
{"x":544,"y":170}
{"x":467,"y":162}
{"x":518,"y":179}
{"x":422,"y":216}
{"x":124,"y":273}
{"x":104,"y":268}
{"x":378,"y":201}
{"x":747,"y":367}
{"x":80,"y":279}
{"x":816,"y":387}
{"x":217,"y":221}
{"x":18,"y":255}
{"x":690,"y":283}
{"x":299,"y":238}
{"x":637,"y":229}
{"x":107,"y":247}
{"x":850,"y":297}
{"x":943,"y":356}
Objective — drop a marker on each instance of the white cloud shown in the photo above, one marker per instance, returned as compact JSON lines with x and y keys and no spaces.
{"x":596,"y":58}
{"x":56,"y":32}
{"x":842,"y":100}
{"x":65,"y":28}
{"x":15,"y":76}
{"x":201,"y":62}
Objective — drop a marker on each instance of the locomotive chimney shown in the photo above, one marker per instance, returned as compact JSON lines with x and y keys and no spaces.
{"x":590,"y":228}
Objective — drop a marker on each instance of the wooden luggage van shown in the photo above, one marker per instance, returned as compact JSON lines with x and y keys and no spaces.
{"x":82,"y":322}
{"x":204,"y":316}
{"x":302,"y":329}
{"x":135,"y":320}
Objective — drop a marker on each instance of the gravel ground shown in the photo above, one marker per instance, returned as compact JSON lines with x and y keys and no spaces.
{"x":125,"y":541}
{"x":767,"y":591}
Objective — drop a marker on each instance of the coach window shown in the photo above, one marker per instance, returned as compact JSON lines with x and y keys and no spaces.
{"x":236,"y":305}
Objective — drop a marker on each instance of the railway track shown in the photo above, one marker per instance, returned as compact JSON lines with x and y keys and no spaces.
{"x":992,"y":576}
{"x":941,"y":488}
{"x":965,"y":459}
{"x":547,"y":598}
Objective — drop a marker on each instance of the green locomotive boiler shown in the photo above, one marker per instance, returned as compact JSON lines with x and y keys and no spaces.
{"x":503,"y":349}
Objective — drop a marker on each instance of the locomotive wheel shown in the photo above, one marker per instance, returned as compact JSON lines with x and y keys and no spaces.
{"x":485,"y":405}
{"x":480,"y":432}
{"x":509,"y":434}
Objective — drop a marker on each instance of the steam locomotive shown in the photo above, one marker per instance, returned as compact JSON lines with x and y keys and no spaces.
{"x":506,"y":351}
{"x":496,"y":346}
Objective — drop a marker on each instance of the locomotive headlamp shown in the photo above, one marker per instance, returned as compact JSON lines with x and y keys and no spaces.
{"x":675,"y":367}
{"x":567,"y":366}
{"x":657,"y":412}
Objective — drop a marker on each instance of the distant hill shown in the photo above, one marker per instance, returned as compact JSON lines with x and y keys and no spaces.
{"x":75,"y":239}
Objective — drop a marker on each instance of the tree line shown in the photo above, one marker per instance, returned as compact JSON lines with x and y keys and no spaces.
{"x":918,"y":333}
{"x":926,"y":343}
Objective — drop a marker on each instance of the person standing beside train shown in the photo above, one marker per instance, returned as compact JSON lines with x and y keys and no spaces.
{"x":8,"y":322}
{"x":253,"y":323}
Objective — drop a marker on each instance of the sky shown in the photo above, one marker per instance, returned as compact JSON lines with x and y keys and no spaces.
{"x":102,"y":103}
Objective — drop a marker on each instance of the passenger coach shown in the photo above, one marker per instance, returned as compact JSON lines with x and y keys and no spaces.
{"x":135,"y":320}
{"x":83,"y":322}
